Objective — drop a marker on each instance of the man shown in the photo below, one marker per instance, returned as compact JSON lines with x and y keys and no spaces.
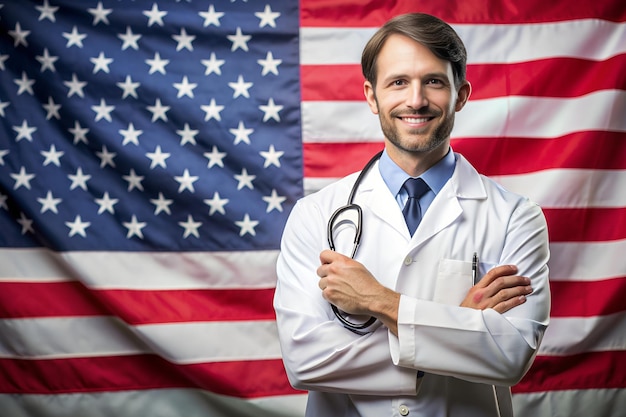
{"x":445,"y":341}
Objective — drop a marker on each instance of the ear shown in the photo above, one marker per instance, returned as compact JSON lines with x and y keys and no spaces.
{"x":370,"y":96}
{"x":463,"y":95}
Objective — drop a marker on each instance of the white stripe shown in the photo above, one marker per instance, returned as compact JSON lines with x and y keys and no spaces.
{"x":570,"y":188}
{"x":182,"y":343}
{"x":587,"y":261}
{"x":571,"y":403}
{"x":153,"y":403}
{"x":574,"y":335}
{"x":554,"y":188}
{"x":143,"y":271}
{"x":586,"y":39}
{"x":530,"y":117}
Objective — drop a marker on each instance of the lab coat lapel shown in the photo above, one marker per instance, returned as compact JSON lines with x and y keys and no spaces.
{"x":447,"y":207}
{"x":374,"y":194}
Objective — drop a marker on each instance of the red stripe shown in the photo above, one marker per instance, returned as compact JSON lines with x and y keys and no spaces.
{"x":577,"y":77}
{"x":60,"y":299}
{"x":490,"y":156}
{"x":593,"y":370}
{"x":510,"y":156}
{"x":586,"y":225}
{"x":369,"y":13}
{"x":243,"y":379}
{"x":587,"y":299}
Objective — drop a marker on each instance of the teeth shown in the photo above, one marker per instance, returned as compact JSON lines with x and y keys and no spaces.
{"x":416,"y":120}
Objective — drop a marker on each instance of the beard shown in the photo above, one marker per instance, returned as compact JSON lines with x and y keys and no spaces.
{"x":411,"y":142}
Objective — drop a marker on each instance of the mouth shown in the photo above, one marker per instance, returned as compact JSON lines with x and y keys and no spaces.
{"x":415,"y":120}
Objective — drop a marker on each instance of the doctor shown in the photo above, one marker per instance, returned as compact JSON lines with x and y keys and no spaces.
{"x":441,"y":344}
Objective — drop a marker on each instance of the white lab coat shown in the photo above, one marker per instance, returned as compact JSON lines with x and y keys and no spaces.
{"x":470,"y":357}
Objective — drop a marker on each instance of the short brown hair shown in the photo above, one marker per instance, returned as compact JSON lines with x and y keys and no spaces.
{"x":426,"y":29}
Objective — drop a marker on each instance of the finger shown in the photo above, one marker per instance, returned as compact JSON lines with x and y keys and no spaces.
{"x":497,"y":272}
{"x":507,"y":305}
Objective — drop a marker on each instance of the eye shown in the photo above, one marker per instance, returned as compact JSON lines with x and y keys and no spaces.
{"x":398,"y":82}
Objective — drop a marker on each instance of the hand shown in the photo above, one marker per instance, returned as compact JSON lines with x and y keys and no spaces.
{"x":499,"y":289}
{"x":348,"y":285}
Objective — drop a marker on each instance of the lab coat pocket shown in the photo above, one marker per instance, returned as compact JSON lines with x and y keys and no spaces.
{"x":454,"y":279}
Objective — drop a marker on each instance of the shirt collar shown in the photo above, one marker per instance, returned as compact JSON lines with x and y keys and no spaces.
{"x":436,"y":176}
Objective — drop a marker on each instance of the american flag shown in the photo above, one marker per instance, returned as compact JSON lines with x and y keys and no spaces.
{"x":150,"y":153}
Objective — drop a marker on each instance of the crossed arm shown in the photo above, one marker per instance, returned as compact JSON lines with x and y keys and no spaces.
{"x":347,"y":284}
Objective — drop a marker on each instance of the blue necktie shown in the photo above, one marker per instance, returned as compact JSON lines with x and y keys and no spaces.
{"x":416,"y":188}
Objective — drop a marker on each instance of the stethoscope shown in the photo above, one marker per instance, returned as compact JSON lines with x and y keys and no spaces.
{"x":355,"y":327}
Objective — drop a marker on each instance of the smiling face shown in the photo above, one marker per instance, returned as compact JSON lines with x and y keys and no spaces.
{"x":416,"y":100}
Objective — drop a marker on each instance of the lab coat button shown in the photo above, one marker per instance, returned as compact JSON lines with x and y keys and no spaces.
{"x":404,"y":410}
{"x":408,"y":260}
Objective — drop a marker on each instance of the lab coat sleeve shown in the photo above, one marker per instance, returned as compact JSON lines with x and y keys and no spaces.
{"x":483,"y":346}
{"x":318,"y":352}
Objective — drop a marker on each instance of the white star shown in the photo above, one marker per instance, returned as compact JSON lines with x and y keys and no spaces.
{"x":274,"y":201}
{"x":267,"y":17}
{"x":25,"y":84}
{"x":158,"y":158}
{"x":24,"y":132}
{"x":269,"y":64}
{"x":129,"y":87}
{"x":245,"y":180}
{"x":101,"y":63}
{"x":80,"y":134}
{"x":185,"y":88}
{"x":215,"y":157}
{"x":247,"y":225}
{"x":22,"y":179}
{"x":52,"y":156}
{"x":212,"y":111}
{"x":212,"y":65}
{"x":53,"y":109}
{"x":241,"y":133}
{"x":49,"y":203}
{"x":155,"y":15}
{"x":19,"y":35}
{"x":74,"y":38}
{"x":162,"y":204}
{"x":26,"y":223}
{"x":157,"y":64}
{"x":79,"y":179}
{"x":2,"y":59}
{"x":239,"y":40}
{"x":216,"y":204}
{"x":75,"y":86}
{"x":271,"y":110}
{"x":47,"y":61}
{"x":47,"y":12}
{"x":100,"y":14}
{"x":272,"y":157}
{"x":158,"y":111}
{"x":190,"y":226}
{"x":130,"y":39}
{"x":106,"y":157}
{"x":3,"y":153}
{"x":184,"y":40}
{"x":130,"y":135}
{"x":3,"y":105}
{"x":106,"y":203}
{"x":186,"y":182}
{"x":187,"y":135}
{"x":134,"y":180}
{"x":240,"y":88}
{"x":103,"y":111}
{"x":77,"y":227}
{"x":134,"y":227}
{"x":211,"y":17}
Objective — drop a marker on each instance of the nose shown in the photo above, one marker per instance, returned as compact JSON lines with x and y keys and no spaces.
{"x":416,"y":96}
